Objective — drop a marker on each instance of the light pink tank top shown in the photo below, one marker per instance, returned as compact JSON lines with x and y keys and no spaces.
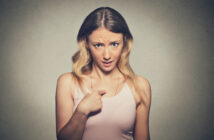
{"x":116,"y":119}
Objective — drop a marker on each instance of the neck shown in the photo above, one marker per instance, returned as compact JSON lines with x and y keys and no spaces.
{"x":103,"y":75}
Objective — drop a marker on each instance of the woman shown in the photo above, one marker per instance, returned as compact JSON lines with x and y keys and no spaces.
{"x":102,"y":98}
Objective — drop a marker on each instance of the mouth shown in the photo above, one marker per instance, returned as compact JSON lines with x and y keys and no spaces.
{"x":107,"y":64}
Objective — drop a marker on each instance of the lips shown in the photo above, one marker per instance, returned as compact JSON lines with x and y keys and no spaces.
{"x":107,"y":64}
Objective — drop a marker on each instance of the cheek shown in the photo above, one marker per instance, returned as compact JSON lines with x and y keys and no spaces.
{"x":118,"y":53}
{"x":95,"y":55}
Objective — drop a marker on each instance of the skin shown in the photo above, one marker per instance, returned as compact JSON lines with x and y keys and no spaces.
{"x":104,"y":46}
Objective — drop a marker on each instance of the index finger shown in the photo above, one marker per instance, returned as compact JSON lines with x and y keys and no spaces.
{"x":101,"y":92}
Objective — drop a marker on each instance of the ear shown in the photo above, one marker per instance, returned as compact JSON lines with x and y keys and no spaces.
{"x":124,"y":40}
{"x":86,"y":44}
{"x":87,"y":47}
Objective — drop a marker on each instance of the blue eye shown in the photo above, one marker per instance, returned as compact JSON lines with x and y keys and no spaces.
{"x":97,"y":45}
{"x":115,"y":44}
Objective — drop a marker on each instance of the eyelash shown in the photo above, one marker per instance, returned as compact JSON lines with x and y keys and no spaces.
{"x":95,"y":45}
{"x":116,"y":44}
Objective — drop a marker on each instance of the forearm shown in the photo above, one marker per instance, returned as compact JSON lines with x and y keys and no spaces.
{"x":74,"y":128}
{"x":142,"y":131}
{"x":142,"y":136}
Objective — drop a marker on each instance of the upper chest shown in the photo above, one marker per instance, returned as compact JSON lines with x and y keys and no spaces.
{"x":124,"y":95}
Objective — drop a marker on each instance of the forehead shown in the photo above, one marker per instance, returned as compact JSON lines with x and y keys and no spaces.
{"x":103,"y":35}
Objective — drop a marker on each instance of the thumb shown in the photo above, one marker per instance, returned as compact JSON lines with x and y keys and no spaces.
{"x":101,"y":92}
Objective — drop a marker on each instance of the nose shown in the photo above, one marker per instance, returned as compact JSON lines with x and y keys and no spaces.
{"x":106,"y":55}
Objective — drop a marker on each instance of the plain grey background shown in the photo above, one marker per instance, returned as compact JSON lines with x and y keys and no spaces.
{"x":173,"y":48}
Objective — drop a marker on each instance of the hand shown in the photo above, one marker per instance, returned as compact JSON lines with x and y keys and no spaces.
{"x":91,"y":102}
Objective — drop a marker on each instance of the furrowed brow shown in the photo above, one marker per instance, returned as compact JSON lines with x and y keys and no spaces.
{"x":116,"y":41}
{"x":96,"y":42}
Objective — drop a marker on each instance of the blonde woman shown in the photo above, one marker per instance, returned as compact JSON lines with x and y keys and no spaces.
{"x":102,"y":98}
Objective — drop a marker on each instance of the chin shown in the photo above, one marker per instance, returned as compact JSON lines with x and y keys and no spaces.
{"x":108,"y":69}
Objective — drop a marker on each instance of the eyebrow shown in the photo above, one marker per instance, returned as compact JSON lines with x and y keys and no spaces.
{"x":102,"y":43}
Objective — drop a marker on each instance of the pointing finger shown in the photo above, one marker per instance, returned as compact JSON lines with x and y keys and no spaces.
{"x":101,"y":92}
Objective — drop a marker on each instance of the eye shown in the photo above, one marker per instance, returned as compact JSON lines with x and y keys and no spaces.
{"x":97,"y":45}
{"x":114,"y":44}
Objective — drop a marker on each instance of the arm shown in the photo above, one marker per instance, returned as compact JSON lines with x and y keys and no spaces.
{"x":69,"y":125}
{"x":142,"y":116}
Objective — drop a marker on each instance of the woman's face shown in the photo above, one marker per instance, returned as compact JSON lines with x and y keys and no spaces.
{"x":105,"y":47}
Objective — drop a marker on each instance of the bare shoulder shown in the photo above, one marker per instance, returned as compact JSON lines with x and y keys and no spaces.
{"x":144,"y":87}
{"x":66,"y":82}
{"x":66,"y":77}
{"x":143,"y":83}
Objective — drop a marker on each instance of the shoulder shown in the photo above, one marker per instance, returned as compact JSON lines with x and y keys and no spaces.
{"x":65,"y":77}
{"x":66,"y":82}
{"x":143,"y":83}
{"x":144,"y":90}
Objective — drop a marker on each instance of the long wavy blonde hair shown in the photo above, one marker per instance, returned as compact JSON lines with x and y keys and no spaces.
{"x":113,"y":21}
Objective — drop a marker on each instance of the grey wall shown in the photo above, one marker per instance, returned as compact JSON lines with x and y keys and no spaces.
{"x":173,"y":48}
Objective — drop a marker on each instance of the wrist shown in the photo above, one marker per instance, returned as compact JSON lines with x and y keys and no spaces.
{"x":82,"y":111}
